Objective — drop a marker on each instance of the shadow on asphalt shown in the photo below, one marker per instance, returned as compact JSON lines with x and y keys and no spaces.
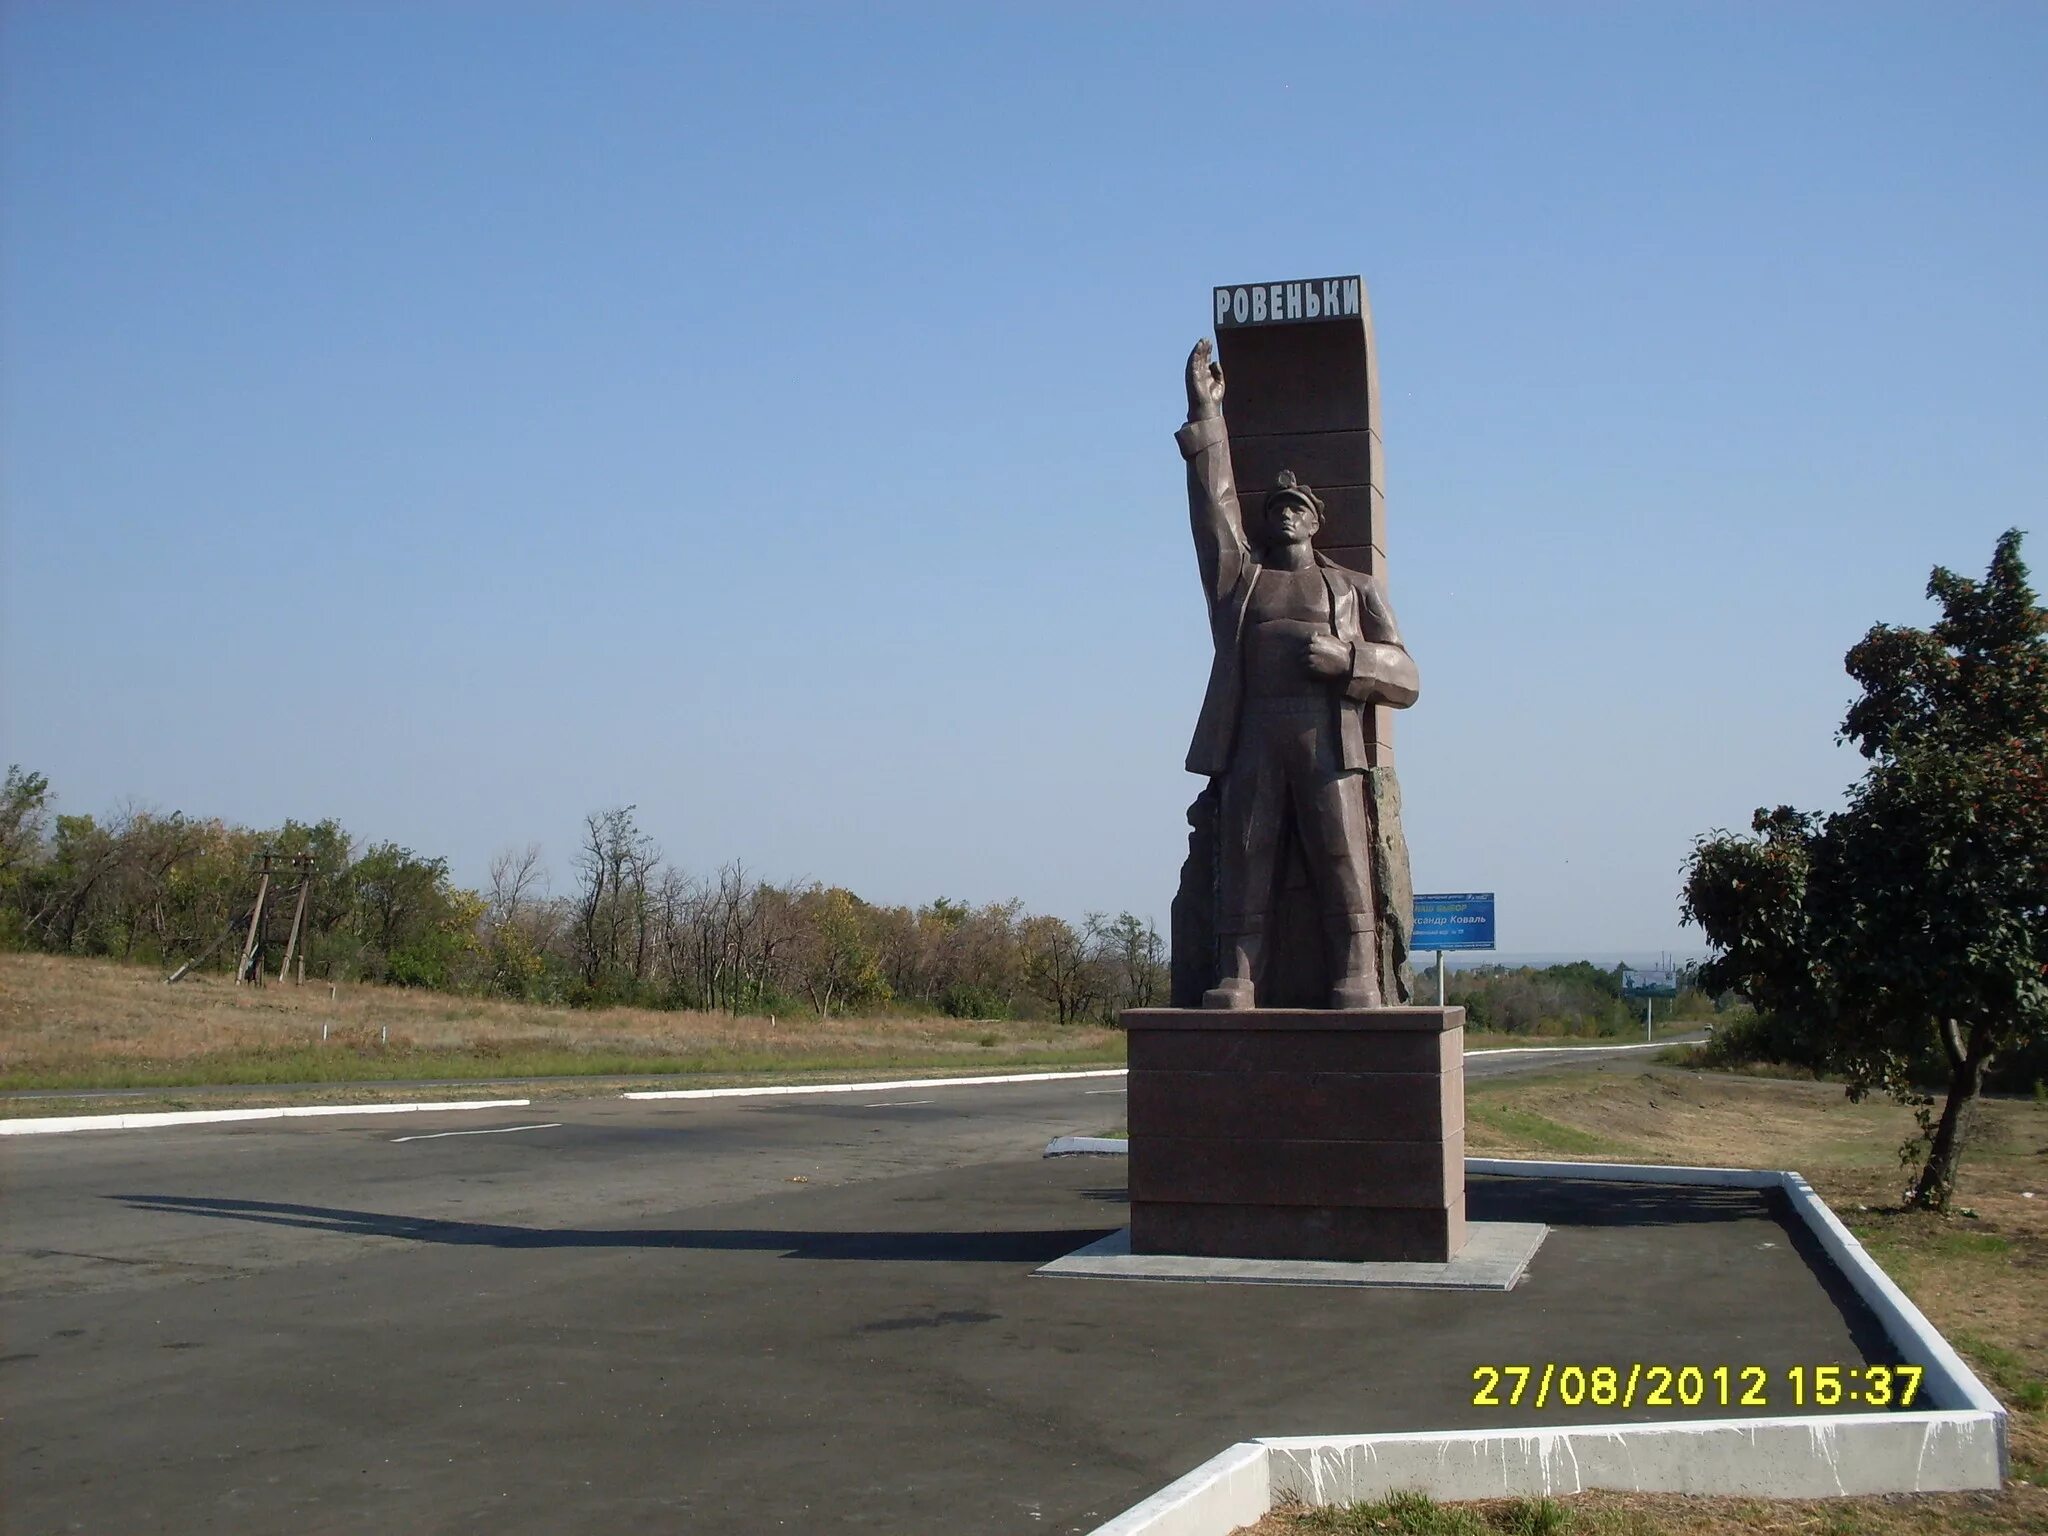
{"x":1564,"y":1204}
{"x":1040,"y":1247}
{"x":1567,"y":1203}
{"x":1588,"y":1203}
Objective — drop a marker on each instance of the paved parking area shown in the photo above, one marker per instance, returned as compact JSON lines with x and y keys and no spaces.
{"x":757,"y":1315}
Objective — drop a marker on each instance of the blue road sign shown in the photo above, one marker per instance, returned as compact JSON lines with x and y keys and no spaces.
{"x":1461,"y":920}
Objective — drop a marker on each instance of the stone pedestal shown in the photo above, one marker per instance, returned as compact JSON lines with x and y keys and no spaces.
{"x":1298,"y":1134}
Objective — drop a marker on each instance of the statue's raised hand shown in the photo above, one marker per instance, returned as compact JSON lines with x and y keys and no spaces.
{"x":1205,"y":383}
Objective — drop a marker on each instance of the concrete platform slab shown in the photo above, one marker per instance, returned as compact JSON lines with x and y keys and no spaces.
{"x":1496,"y":1255}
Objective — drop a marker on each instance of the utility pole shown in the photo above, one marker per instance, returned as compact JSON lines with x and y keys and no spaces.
{"x":242,"y":971}
{"x":267,"y":863}
{"x":291,"y":945}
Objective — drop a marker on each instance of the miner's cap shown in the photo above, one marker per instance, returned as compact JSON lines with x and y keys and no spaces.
{"x":1288,"y":488}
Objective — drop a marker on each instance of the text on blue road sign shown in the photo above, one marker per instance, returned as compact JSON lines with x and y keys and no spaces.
{"x":1453,"y":920}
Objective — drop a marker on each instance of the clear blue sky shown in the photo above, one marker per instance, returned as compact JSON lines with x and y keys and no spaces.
{"x":456,"y":417}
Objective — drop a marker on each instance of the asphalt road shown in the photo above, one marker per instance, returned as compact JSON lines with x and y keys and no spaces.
{"x":745,"y":1315}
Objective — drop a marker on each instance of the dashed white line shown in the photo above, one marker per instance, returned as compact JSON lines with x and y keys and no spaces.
{"x":1092,"y":1092}
{"x":778,"y":1089}
{"x":492,"y":1130}
{"x":152,"y":1119}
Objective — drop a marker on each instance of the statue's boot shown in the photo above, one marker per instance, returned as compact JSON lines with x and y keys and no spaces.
{"x":1241,"y":961}
{"x":1355,"y":992}
{"x":1357,"y":984}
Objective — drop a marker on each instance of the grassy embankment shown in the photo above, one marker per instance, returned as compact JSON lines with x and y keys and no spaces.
{"x":75,"y":1024}
{"x":85,"y":1024}
{"x":1981,"y":1278}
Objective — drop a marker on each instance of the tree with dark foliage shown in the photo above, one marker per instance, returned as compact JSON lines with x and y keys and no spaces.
{"x":1910,"y":930}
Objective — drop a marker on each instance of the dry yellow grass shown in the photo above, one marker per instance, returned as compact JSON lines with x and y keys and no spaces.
{"x":77,"y":1023}
{"x":2010,"y":1513}
{"x":1626,"y":1109}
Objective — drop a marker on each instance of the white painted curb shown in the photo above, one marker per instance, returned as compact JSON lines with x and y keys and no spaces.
{"x":1097,"y":1146}
{"x":1952,"y":1383}
{"x":1959,"y":1446}
{"x":1781,"y":1458}
{"x":779,"y":1089}
{"x":1223,"y":1493}
{"x":51,"y":1125}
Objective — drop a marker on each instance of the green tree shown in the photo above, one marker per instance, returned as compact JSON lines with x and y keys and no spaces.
{"x":1061,"y":965}
{"x":84,"y":860}
{"x":618,"y":867}
{"x":24,"y":804}
{"x":948,"y":914}
{"x":210,"y":893}
{"x":838,"y":961}
{"x":142,"y":901}
{"x":411,"y":923}
{"x":1909,"y":932}
{"x":1133,"y":958}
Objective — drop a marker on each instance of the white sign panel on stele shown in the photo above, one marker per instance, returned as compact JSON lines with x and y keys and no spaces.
{"x":1314,"y":298}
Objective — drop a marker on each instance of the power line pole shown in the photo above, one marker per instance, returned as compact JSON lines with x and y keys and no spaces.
{"x":267,"y":863}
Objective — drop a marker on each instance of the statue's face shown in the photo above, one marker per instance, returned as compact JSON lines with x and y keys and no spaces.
{"x":1291,"y":523}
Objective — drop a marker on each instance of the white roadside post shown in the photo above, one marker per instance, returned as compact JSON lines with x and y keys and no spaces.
{"x":1649,"y":983}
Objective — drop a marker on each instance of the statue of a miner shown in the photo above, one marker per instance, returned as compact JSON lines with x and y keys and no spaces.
{"x":1304,"y":647}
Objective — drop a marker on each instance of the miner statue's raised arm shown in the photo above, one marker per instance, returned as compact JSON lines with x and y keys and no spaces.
{"x":1304,"y":647}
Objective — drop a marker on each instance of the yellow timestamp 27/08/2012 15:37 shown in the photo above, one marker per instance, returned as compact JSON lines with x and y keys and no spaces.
{"x":1555,"y":1385}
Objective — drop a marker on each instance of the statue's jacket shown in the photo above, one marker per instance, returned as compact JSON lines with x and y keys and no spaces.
{"x":1360,"y":616}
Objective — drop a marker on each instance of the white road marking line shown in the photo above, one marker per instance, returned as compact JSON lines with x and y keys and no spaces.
{"x":777,"y":1090}
{"x":894,"y":1103}
{"x":50,"y":1125}
{"x":914,"y":1082}
{"x":493,"y":1130}
{"x":1092,"y":1092}
{"x":1576,"y":1050}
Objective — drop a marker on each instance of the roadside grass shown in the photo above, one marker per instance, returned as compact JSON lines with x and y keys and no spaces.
{"x":1643,"y":1111}
{"x":2007,"y":1371}
{"x":1697,"y":1058}
{"x":1412,"y":1514}
{"x":1527,"y":1128}
{"x":80,"y":1024}
{"x":2009,"y":1513}
{"x":77,"y":1024}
